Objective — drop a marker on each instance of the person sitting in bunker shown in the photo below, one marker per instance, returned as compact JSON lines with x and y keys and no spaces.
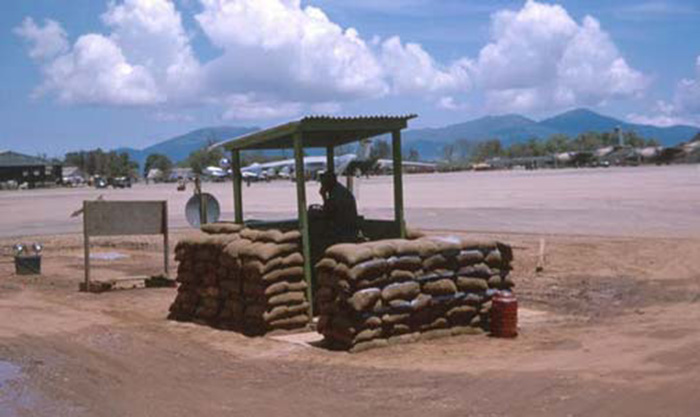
{"x":339,"y":208}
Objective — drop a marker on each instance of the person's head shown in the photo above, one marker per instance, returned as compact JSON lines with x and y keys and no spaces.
{"x":328,"y":180}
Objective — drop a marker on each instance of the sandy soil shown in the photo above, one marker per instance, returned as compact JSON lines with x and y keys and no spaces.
{"x":610,"y":327}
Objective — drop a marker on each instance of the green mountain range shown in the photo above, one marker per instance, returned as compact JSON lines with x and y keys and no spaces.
{"x":429,"y":142}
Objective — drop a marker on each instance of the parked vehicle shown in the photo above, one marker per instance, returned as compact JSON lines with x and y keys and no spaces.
{"x":121,"y":182}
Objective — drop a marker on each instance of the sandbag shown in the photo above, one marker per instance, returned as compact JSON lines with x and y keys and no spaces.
{"x":469,"y":257}
{"x":448,"y":246}
{"x":364,"y":300}
{"x":406,"y":263}
{"x":434,"y":262}
{"x":326,"y":264}
{"x":221,"y":228}
{"x":426,"y":248}
{"x":368,"y":334}
{"x":400,"y":275}
{"x":287,"y":298}
{"x":383,"y":249}
{"x":281,"y":312}
{"x":421,"y":301}
{"x":404,"y":291}
{"x":294,"y":273}
{"x":269,"y":236}
{"x":472,"y":284}
{"x":284,"y":286}
{"x":495,"y":281}
{"x":250,"y":234}
{"x":440,"y":287}
{"x":461,"y":314}
{"x":372,"y":321}
{"x":292,"y":236}
{"x":395,"y":318}
{"x":372,"y":344}
{"x":368,"y":270}
{"x":408,"y":248}
{"x":267,"y":251}
{"x":349,"y":253}
{"x":493,"y":259}
{"x":475,"y":271}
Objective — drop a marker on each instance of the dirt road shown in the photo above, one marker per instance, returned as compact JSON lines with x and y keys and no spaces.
{"x":609,"y":328}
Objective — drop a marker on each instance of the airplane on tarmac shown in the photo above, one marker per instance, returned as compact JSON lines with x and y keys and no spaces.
{"x":216,"y":173}
{"x":284,"y":168}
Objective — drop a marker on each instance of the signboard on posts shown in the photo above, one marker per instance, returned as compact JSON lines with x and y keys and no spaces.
{"x":124,"y":218}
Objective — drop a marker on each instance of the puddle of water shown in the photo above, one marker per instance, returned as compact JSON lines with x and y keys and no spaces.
{"x":18,"y":398}
{"x":108,"y":256}
{"x":8,"y":372}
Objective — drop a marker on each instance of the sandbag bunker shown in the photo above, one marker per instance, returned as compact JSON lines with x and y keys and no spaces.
{"x":366,"y":295}
{"x":396,"y":291}
{"x":242,"y":279}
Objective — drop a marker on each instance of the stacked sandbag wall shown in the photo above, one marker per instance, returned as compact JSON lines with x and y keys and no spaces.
{"x":199,"y":294}
{"x":396,"y":291}
{"x":248,"y":280}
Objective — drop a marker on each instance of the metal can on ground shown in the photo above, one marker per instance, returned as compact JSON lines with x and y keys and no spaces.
{"x":504,"y":315}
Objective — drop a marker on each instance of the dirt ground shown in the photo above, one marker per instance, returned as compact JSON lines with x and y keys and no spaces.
{"x":610,"y":327}
{"x":642,"y":201}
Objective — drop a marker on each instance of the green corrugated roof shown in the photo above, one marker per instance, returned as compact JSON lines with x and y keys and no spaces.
{"x":14,"y":159}
{"x":318,"y":132}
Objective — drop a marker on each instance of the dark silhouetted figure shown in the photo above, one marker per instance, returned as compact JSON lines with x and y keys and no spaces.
{"x":339,"y":207}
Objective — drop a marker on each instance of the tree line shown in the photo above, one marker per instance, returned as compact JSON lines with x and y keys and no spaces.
{"x":463,"y":150}
{"x":99,"y":162}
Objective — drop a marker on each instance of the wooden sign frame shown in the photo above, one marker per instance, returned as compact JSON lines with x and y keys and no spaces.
{"x":124,"y":218}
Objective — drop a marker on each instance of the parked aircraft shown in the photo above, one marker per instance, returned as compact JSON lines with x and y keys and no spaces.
{"x":215,"y":173}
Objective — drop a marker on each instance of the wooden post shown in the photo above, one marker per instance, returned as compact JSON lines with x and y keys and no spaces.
{"x":398,"y":182}
{"x":303,"y":216}
{"x":86,"y":242}
{"x":237,"y":190}
{"x":330,"y":159}
{"x":202,"y":200}
{"x":541,"y":257}
{"x":166,"y":245}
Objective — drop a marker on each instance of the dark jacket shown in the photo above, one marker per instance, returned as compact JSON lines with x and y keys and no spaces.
{"x":340,"y":207}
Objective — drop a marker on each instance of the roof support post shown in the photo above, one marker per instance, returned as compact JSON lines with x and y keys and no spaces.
{"x":237,"y":190}
{"x":303,"y":216}
{"x":330,"y":159}
{"x":398,"y":182}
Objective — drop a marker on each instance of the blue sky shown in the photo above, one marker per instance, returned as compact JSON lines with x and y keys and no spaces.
{"x":133,"y":72}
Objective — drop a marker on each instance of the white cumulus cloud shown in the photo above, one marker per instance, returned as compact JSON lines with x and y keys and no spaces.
{"x":540,"y":58}
{"x":412,"y":70}
{"x":96,"y":72}
{"x":277,"y":58}
{"x":140,"y":62}
{"x":46,"y":41}
{"x":298,"y":53}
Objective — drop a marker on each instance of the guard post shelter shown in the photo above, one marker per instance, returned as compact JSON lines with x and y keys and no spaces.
{"x":327,"y":133}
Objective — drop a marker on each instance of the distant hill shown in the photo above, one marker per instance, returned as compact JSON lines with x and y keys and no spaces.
{"x":579,"y":121}
{"x":179,"y":147}
{"x":514,"y":128}
{"x":430,"y":142}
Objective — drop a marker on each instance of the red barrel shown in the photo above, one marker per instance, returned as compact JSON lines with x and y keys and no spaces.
{"x":504,"y":315}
